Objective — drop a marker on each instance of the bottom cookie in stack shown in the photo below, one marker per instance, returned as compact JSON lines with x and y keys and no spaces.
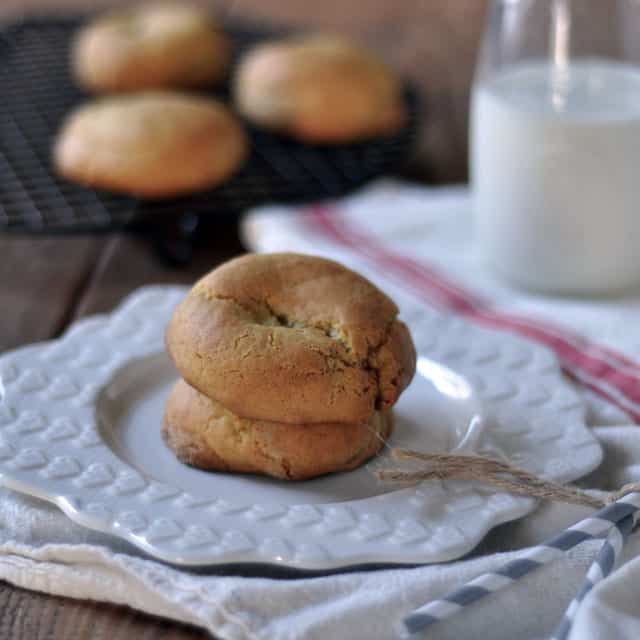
{"x":202,"y":433}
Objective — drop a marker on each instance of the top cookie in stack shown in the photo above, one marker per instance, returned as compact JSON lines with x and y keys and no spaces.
{"x":291,"y":344}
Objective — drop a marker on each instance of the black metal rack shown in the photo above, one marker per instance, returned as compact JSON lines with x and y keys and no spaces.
{"x":37,"y":91}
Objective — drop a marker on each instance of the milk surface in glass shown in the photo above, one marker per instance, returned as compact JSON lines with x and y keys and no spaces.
{"x":555,"y":162}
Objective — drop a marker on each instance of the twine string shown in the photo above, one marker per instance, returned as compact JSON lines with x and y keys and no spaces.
{"x":499,"y":473}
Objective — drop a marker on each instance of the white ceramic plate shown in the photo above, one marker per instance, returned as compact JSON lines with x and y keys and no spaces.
{"x":79,"y":426}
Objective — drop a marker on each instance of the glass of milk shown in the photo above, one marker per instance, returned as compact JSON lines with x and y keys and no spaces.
{"x":555,"y":144}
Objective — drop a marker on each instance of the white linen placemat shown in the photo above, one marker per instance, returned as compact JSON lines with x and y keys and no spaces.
{"x":41,"y":549}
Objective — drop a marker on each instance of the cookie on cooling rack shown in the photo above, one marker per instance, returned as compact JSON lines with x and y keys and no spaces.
{"x":153,"y":46}
{"x":319,"y":89}
{"x":152,"y":145}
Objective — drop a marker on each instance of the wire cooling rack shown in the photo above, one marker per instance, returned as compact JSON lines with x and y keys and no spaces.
{"x":37,"y":91}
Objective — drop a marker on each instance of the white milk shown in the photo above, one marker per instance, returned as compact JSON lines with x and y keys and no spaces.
{"x":555,"y":163}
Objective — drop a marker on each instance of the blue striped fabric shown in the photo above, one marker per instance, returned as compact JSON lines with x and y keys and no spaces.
{"x":600,"y":569}
{"x":616,"y":520}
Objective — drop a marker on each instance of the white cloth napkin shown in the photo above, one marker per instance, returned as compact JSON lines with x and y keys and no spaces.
{"x":41,"y":549}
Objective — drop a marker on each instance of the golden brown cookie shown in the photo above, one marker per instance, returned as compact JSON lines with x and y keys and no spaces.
{"x":154,"y":145}
{"x":152,"y":46}
{"x":204,"y":434}
{"x":292,"y":338}
{"x":320,"y":89}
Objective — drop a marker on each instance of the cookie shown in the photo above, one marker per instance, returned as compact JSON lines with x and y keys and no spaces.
{"x":152,"y":145}
{"x":319,"y":89}
{"x":292,"y":338}
{"x":204,"y":434}
{"x":152,"y":46}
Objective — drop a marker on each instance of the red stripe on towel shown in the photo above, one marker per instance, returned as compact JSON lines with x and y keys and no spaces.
{"x":608,"y":373}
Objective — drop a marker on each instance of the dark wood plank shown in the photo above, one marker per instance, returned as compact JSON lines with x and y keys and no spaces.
{"x":25,"y":615}
{"x":40,"y":279}
{"x":129,"y":262}
{"x":16,"y":8}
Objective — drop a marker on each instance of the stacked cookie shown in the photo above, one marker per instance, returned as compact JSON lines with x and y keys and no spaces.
{"x":290,"y":367}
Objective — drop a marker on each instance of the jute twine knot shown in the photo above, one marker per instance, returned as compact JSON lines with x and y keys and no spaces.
{"x":499,"y":473}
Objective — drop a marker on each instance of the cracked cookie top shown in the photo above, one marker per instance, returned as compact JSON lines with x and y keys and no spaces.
{"x":292,"y":338}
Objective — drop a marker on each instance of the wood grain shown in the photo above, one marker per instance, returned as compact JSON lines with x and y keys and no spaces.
{"x":40,"y":280}
{"x":25,"y":615}
{"x":128,"y":262}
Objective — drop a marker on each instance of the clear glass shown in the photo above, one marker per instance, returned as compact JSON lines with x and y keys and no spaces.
{"x":555,"y":144}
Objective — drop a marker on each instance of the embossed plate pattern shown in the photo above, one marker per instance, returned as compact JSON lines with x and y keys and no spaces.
{"x":79,"y":427}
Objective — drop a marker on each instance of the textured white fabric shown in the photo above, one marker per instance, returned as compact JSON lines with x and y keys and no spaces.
{"x":40,"y":549}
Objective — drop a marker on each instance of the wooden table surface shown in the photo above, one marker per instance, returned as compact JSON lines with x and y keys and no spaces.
{"x":46,"y":282}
